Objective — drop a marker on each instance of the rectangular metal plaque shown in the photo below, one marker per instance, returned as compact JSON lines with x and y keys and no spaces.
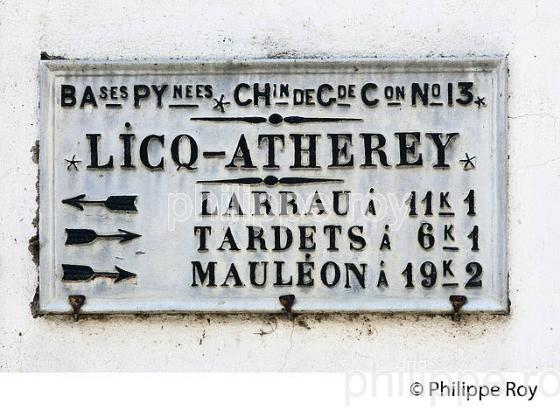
{"x":232,"y":186}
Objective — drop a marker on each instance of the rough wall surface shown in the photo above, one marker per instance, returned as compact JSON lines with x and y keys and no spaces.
{"x":527,"y":32}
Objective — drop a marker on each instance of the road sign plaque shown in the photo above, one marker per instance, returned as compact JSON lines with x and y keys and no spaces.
{"x":357,"y":185}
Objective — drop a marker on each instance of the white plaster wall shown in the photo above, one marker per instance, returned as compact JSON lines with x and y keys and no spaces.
{"x":528,"y":32}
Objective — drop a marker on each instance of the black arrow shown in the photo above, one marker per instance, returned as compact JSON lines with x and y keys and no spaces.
{"x":80,"y":236}
{"x":114,"y":203}
{"x":85,"y":273}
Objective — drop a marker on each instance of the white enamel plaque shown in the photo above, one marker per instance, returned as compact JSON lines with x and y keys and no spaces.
{"x":232,"y":186}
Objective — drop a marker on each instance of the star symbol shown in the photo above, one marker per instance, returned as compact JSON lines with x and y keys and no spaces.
{"x":468,"y":161}
{"x":72,"y":162}
{"x":480,"y":102}
{"x":220,"y":104}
